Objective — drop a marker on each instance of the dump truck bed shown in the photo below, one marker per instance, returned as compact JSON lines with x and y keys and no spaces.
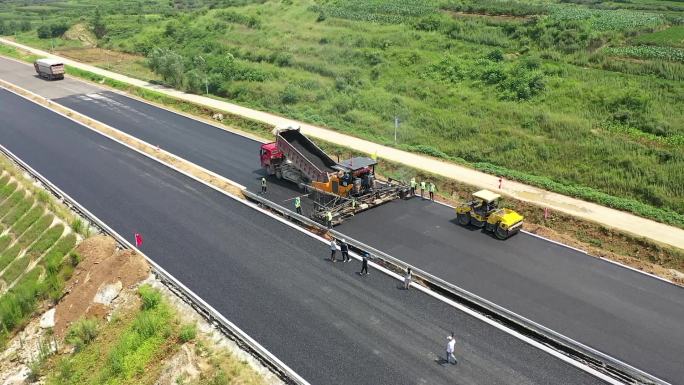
{"x":305,"y":155}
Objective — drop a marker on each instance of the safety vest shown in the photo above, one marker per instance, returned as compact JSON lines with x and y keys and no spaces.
{"x":298,"y":202}
{"x":422,"y":185}
{"x":432,"y":187}
{"x":413,"y":182}
{"x":329,"y":215}
{"x":353,"y":203}
{"x":263,"y":181}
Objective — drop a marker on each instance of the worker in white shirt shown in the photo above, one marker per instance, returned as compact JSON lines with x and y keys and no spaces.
{"x":451,"y":344}
{"x":333,"y":249}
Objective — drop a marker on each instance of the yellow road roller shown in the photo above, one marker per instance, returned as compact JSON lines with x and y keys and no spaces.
{"x":483,"y":211}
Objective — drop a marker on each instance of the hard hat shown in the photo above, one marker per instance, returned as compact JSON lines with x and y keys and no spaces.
{"x":449,"y":338}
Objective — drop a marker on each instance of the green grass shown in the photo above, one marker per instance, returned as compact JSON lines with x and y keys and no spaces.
{"x":45,"y":241}
{"x":13,"y":200}
{"x":18,"y":211}
{"x":670,"y":37}
{"x":54,"y":258}
{"x":7,"y":256}
{"x":36,"y":229}
{"x":15,"y":269}
{"x":27,"y":220}
{"x":134,"y":344}
{"x":7,"y":189}
{"x":5,"y":240}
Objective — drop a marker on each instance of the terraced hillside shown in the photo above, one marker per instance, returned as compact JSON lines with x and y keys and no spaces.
{"x":35,"y":252}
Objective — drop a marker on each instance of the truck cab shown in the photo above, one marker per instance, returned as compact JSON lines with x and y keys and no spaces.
{"x":270,"y":157}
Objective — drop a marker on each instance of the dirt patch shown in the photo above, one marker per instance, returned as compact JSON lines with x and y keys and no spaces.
{"x":98,"y":56}
{"x":81,"y":32}
{"x":102,"y":264}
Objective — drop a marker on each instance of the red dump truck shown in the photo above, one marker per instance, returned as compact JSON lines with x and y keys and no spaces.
{"x":49,"y":69}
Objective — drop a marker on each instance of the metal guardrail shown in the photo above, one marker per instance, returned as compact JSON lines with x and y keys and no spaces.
{"x":226,"y":327}
{"x":574,"y":349}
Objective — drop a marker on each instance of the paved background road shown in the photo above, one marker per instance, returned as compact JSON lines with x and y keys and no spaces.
{"x":328,"y":323}
{"x":620,"y":312}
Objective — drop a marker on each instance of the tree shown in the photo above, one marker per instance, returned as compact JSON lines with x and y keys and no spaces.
{"x":98,"y":25}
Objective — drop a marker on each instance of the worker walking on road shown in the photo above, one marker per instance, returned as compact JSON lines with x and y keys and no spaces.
{"x":344,"y":247}
{"x":432,"y":189}
{"x":451,"y":344}
{"x":407,"y":278}
{"x":298,"y":205}
{"x":263,"y":185}
{"x":333,"y":249}
{"x":422,"y":189}
{"x":413,"y":186}
{"x":364,"y":264}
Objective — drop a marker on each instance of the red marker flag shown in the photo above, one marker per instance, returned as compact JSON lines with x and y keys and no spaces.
{"x":138,"y":240}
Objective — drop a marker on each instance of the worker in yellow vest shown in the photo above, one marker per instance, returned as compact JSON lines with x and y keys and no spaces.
{"x":413,"y":186}
{"x":298,"y":205}
{"x":422,"y":188}
{"x":432,"y":189}
{"x":328,"y":217}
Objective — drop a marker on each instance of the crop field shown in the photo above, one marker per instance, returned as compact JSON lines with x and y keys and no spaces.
{"x":35,"y":254}
{"x":669,"y":37}
{"x":579,"y":97}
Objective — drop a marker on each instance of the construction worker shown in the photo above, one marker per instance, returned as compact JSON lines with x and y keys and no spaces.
{"x":364,"y":264}
{"x":263,"y":185}
{"x":451,"y":344}
{"x":344,"y":247}
{"x":431,"y":189}
{"x":422,"y":188}
{"x":328,"y":217}
{"x":353,"y":203}
{"x":413,"y":186}
{"x":298,"y":205}
{"x":333,"y":249}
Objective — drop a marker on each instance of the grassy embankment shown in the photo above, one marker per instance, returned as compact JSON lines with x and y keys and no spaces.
{"x":35,"y":252}
{"x":135,"y":346}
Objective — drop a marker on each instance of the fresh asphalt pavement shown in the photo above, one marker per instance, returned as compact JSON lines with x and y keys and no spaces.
{"x":628,"y":315}
{"x":325,"y":321}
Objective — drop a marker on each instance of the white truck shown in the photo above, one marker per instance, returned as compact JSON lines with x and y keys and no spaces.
{"x":49,"y":69}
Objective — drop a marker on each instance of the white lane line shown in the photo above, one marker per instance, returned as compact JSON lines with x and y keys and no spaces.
{"x":470,"y":312}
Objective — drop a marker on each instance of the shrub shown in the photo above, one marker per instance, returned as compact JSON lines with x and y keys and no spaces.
{"x":150,"y":297}
{"x":495,"y":55}
{"x":81,"y":333}
{"x":187,"y":333}
{"x":77,"y":225}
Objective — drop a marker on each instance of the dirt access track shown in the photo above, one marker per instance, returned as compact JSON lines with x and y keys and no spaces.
{"x":608,"y":217}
